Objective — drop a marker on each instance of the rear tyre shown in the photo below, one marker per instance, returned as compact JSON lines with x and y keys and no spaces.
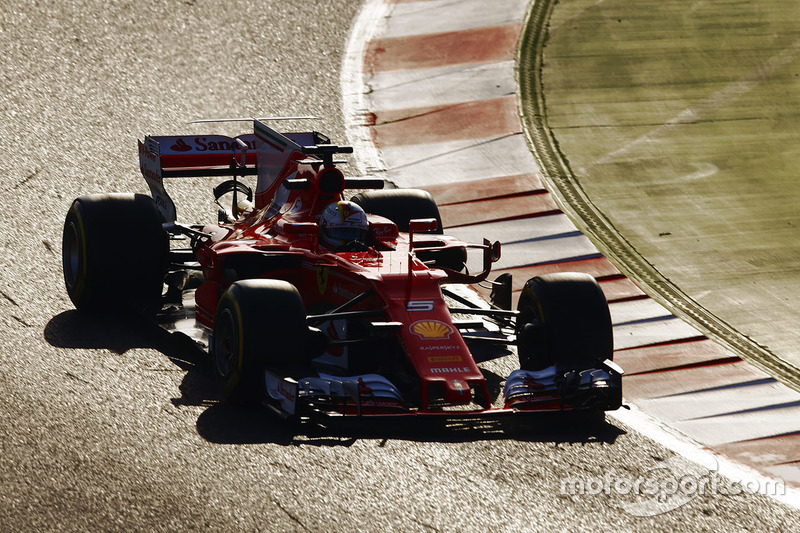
{"x":403,"y":205}
{"x":400,"y":206}
{"x":564,"y":320}
{"x":259,"y":324}
{"x":114,"y":253}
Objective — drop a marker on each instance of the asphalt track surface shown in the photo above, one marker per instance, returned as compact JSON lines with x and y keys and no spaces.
{"x":106,"y":424}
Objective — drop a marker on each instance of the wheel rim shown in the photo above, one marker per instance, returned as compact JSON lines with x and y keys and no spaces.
{"x":225,"y":344}
{"x":71,"y":255}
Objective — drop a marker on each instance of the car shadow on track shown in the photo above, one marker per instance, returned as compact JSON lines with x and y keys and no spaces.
{"x":225,"y":423}
{"x":73,"y":329}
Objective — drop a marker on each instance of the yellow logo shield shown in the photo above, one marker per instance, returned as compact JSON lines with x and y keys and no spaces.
{"x":322,"y":279}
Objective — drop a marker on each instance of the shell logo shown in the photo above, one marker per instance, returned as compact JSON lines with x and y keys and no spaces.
{"x":431,"y":329}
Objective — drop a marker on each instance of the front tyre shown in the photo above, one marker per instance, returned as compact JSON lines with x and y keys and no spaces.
{"x":564,"y":320}
{"x":259,"y":324}
{"x":114,"y":253}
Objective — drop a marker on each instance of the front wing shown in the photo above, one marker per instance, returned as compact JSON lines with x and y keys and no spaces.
{"x":371,"y":395}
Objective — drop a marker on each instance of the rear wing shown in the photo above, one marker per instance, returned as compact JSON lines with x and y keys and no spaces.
{"x":265,"y":153}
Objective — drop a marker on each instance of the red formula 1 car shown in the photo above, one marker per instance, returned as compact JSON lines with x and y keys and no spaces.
{"x":311,"y":304}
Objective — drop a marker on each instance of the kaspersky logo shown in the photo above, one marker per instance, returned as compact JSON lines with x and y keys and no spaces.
{"x":431,"y":330}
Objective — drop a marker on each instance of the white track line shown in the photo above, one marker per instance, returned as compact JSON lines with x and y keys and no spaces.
{"x":369,"y":22}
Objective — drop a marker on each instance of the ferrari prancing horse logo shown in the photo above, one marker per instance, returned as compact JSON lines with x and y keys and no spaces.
{"x":322,"y":279}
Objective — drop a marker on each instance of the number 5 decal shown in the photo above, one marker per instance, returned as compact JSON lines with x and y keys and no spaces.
{"x":419,"y":305}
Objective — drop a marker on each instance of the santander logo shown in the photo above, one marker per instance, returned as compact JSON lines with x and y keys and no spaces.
{"x":209,"y":143}
{"x":180,"y":146}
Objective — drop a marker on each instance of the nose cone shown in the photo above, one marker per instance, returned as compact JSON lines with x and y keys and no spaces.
{"x":457,"y":391}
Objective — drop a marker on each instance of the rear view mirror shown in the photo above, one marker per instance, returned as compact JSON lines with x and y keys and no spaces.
{"x":495,"y":251}
{"x":419,"y":225}
{"x":422,"y":224}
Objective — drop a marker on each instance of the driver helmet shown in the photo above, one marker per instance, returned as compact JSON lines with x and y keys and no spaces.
{"x":342,"y":222}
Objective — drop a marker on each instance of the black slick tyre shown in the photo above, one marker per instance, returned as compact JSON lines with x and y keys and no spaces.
{"x":400,"y":206}
{"x":564,"y":320}
{"x":259,"y":324}
{"x":403,"y":205}
{"x":114,"y":254}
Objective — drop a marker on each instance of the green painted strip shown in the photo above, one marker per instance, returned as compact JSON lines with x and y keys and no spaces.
{"x":259,"y":129}
{"x":569,"y":193}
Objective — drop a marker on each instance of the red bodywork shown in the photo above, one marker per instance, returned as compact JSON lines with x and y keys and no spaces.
{"x":278,"y":239}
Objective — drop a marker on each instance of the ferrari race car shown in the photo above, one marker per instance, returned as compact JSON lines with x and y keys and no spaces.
{"x":315,"y":305}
